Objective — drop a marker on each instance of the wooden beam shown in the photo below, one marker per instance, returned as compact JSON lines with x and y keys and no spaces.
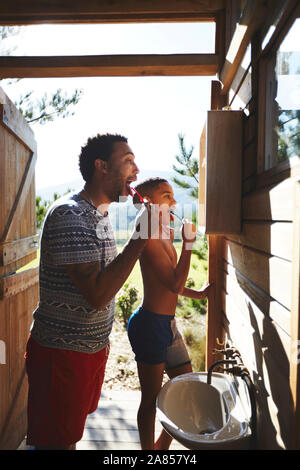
{"x":17,"y":12}
{"x":282,"y":17}
{"x":15,"y":283}
{"x":18,"y":249}
{"x":218,"y":101}
{"x":216,"y":246}
{"x":108,"y":65}
{"x":214,"y":326}
{"x":252,"y":19}
{"x":220,"y":38}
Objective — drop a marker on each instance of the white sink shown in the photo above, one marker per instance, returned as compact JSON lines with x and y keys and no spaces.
{"x":202,"y":416}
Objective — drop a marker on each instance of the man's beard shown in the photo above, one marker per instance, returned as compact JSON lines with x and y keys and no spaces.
{"x":119,"y":191}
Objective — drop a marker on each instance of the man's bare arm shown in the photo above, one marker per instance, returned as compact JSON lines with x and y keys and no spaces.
{"x":99,"y":287}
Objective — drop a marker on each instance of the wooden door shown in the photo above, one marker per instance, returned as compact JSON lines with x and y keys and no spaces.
{"x":18,"y":246}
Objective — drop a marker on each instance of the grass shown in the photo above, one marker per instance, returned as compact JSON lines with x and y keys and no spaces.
{"x":33,"y":264}
{"x":195,"y":340}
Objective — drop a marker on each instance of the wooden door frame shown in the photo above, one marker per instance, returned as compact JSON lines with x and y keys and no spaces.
{"x":18,"y":12}
{"x":216,"y":245}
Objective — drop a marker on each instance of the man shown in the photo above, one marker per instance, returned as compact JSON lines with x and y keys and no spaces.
{"x":80,"y":274}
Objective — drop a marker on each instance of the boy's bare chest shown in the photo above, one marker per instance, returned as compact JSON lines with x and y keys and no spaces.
{"x":170,"y":251}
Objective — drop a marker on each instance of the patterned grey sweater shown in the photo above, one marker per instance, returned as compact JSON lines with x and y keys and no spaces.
{"x":74,"y":232}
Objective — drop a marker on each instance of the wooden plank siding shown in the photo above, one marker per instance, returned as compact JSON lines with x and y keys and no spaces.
{"x":257,"y":295}
{"x":260,"y":291}
{"x":295,"y":327}
{"x":256,"y":302}
{"x":269,"y":273}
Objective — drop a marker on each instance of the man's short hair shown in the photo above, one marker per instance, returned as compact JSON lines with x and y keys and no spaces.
{"x":100,"y":146}
{"x":146,"y":188}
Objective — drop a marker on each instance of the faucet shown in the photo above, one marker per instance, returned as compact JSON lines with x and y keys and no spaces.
{"x":227,"y":352}
{"x":217,"y":363}
{"x":238,"y":369}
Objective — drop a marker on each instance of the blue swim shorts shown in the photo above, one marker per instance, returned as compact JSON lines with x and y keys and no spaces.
{"x":155,"y":338}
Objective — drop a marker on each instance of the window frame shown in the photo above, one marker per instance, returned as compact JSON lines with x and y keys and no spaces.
{"x":282,"y":169}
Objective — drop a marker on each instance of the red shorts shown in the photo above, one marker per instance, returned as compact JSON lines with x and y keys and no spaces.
{"x":64,"y":387}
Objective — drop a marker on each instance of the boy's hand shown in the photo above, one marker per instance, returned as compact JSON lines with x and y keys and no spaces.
{"x":203,"y":292}
{"x":188,"y":232}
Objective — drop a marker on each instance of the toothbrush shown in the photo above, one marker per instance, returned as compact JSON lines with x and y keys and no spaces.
{"x":139,"y":196}
{"x":173,"y":213}
{"x":181,"y":220}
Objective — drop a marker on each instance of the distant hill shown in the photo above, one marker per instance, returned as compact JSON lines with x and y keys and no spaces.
{"x":122,"y":215}
{"x":46,"y":193}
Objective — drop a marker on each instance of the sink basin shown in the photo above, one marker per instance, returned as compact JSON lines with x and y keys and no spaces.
{"x":202,"y":416}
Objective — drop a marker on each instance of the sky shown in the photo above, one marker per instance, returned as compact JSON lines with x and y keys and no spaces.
{"x":288,"y":91}
{"x":149,"y":111}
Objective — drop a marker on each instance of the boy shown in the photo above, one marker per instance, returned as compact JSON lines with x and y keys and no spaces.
{"x":152,"y":331}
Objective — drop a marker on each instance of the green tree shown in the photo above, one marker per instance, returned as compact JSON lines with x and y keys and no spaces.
{"x":41,"y":207}
{"x":288,"y":131}
{"x":39,"y":108}
{"x":42,"y":109}
{"x":189,"y":168}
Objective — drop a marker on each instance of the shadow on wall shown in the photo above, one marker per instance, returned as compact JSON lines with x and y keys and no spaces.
{"x":257,"y":282}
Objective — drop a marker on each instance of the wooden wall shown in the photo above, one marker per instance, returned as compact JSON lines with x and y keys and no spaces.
{"x":18,"y":245}
{"x":256,"y":301}
{"x":257,"y":267}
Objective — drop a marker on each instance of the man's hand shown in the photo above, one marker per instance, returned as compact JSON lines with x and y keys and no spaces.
{"x":148,"y":222}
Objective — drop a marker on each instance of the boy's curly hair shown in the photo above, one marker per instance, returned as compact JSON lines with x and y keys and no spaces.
{"x":146,"y":188}
{"x":100,"y":146}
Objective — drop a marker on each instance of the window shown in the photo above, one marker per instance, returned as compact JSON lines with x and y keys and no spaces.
{"x":105,"y":39}
{"x":282,"y":120}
